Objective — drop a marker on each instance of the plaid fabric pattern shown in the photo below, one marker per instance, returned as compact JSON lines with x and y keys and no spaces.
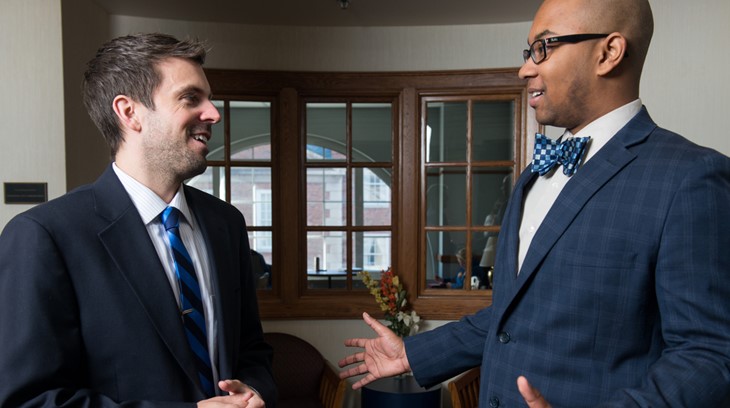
{"x":549,"y":152}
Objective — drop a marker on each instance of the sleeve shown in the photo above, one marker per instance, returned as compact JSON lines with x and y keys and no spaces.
{"x":439,"y":354}
{"x":693,"y":293}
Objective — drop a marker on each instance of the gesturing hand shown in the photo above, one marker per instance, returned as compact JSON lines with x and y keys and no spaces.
{"x":384,"y":356}
{"x":532,"y":396}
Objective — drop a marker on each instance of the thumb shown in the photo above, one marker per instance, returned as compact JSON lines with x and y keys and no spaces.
{"x":379,"y":328}
{"x":532,"y":395}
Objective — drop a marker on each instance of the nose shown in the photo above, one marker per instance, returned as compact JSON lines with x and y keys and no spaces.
{"x":527,"y":70}
{"x":210,"y":113}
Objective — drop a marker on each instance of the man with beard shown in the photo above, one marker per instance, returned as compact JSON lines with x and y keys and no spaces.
{"x":611,"y":284}
{"x":136,"y":290}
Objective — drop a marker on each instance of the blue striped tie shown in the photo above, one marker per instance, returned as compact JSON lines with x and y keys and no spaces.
{"x":190,"y":299}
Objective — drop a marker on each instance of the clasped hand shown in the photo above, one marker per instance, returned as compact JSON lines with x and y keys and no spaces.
{"x":239,"y":396}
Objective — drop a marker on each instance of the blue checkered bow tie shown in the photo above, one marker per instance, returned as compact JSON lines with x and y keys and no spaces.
{"x":549,"y":152}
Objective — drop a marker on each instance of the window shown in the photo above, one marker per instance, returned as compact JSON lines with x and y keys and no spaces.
{"x":349,"y":166}
{"x":469,"y":165}
{"x":349,"y":172}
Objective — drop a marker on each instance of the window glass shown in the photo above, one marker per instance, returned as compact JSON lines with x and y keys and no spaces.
{"x":371,"y":196}
{"x":326,"y":200}
{"x":490,"y":191}
{"x":250,"y":130}
{"x":469,"y":171}
{"x":446,"y":196}
{"x":251,"y":194}
{"x":446,"y":131}
{"x":326,"y":259}
{"x":493,"y":130}
{"x":442,"y":265}
{"x":372,"y":133}
{"x":326,"y":131}
{"x":212,"y":181}
{"x":349,"y":206}
{"x":372,"y":251}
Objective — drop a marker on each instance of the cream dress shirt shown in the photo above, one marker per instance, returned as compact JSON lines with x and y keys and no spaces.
{"x":543,"y":193}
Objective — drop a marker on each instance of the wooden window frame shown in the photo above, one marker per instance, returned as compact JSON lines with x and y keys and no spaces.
{"x":289,"y":297}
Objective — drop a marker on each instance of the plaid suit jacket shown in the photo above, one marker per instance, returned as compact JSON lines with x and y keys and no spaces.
{"x":623,"y":299}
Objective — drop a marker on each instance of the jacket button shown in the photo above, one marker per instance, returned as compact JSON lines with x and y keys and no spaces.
{"x":494,"y":402}
{"x":504,"y":337}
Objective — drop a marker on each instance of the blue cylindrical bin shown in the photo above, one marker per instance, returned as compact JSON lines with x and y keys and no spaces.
{"x":396,"y":392}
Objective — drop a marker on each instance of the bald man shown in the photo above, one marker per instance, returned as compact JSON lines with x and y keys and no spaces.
{"x":612,"y":277}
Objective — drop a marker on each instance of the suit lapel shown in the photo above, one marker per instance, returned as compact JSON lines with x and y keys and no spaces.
{"x":598,"y":171}
{"x":128,"y":244}
{"x":215,"y":229}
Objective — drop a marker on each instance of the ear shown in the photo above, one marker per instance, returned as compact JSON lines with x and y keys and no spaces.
{"x":613,"y":52}
{"x":126,"y":110}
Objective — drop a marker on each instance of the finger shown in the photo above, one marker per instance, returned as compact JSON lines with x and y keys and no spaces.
{"x":231,"y":386}
{"x":531,"y":395}
{"x":355,"y":342}
{"x":361,"y":369}
{"x":363,"y":381}
{"x":377,"y":327}
{"x":351,"y":359}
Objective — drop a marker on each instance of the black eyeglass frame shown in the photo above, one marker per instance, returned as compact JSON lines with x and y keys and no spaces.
{"x":569,"y":39}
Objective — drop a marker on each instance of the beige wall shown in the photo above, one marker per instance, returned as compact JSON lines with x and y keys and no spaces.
{"x":32,"y":99}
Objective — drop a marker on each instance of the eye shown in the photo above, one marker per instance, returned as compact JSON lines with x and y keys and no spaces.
{"x":191,"y":98}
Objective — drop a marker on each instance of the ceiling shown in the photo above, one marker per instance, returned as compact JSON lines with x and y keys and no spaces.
{"x":329,"y":12}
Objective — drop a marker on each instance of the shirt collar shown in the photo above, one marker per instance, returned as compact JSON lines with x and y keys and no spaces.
{"x":604,"y":128}
{"x":148,"y":204}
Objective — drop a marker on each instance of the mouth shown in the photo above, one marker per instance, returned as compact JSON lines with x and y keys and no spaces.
{"x":534,"y":96}
{"x":202,"y":138}
{"x":200,"y":133}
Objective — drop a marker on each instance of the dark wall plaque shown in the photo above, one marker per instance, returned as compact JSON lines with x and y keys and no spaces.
{"x":26,"y":193}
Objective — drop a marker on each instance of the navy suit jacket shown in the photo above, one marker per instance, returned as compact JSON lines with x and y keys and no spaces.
{"x":623,"y":299}
{"x":88,"y":317}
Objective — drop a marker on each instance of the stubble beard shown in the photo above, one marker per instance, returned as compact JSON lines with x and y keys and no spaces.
{"x":569,"y":114}
{"x":173,"y":160}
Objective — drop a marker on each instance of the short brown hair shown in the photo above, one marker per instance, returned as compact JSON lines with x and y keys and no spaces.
{"x":127,"y":66}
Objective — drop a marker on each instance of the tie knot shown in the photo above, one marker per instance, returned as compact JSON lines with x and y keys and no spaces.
{"x":170,"y":218}
{"x":549,"y":153}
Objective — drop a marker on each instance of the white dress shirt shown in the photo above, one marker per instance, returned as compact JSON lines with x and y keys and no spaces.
{"x":543,"y":193}
{"x":150,"y":206}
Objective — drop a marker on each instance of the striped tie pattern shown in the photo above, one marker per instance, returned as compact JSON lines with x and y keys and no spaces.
{"x":190,"y":299}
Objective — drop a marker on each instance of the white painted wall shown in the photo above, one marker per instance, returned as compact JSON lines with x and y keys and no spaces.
{"x":32,"y":149}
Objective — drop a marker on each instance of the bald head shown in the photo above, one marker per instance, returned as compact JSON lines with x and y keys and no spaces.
{"x":632,"y":18}
{"x":578,"y":82}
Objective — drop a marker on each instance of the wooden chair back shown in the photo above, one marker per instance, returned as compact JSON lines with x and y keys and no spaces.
{"x":464,"y":389}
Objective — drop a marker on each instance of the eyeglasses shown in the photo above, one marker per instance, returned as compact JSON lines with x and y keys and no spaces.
{"x":538,"y":48}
